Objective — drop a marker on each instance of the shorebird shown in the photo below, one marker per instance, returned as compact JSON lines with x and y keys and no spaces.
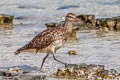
{"x":50,"y":40}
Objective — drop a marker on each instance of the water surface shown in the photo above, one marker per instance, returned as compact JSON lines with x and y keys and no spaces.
{"x":30,"y":17}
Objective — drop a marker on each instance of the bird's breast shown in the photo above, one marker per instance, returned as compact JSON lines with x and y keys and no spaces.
{"x":58,"y":44}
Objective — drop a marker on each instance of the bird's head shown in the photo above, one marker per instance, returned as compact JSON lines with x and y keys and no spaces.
{"x":72,"y":17}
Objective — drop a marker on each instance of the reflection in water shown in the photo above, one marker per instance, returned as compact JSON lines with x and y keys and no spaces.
{"x":101,"y":34}
{"x":6,"y":27}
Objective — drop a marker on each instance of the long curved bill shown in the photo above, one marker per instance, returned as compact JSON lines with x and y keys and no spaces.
{"x":77,"y":20}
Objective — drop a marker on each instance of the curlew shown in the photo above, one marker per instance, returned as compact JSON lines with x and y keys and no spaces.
{"x":50,"y":40}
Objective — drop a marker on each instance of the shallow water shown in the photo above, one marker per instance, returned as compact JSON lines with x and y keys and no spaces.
{"x":30,"y":17}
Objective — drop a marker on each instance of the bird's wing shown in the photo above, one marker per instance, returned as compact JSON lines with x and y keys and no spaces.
{"x":45,"y":38}
{"x":42,"y":40}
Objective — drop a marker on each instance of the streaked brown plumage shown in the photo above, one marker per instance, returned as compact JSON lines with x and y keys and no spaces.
{"x":50,"y":40}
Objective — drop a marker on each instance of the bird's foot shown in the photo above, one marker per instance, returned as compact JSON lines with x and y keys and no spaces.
{"x":66,"y":65}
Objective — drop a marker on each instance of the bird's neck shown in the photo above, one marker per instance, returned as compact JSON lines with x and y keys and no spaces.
{"x":68,"y":27}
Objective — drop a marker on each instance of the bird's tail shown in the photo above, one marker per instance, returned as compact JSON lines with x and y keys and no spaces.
{"x":22,"y":49}
{"x":18,"y":51}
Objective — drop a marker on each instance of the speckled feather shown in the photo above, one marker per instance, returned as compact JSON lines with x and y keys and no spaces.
{"x":45,"y":38}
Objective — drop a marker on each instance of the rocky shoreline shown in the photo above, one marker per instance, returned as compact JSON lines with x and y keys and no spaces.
{"x":72,"y":71}
{"x":86,"y":72}
{"x":89,"y":22}
{"x":13,"y":75}
{"x":69,"y":72}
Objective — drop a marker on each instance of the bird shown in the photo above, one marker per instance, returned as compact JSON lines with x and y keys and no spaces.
{"x":50,"y":40}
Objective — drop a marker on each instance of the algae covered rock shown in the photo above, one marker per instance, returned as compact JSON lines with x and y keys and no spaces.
{"x":111,"y":24}
{"x":86,"y":22}
{"x":6,"y":20}
{"x":108,"y":24}
{"x":72,"y":52}
{"x":86,"y":72}
{"x":101,"y":23}
{"x":118,"y":25}
{"x":51,"y":25}
{"x":89,"y":21}
{"x":19,"y":74}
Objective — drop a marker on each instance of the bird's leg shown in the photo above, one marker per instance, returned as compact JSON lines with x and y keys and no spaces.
{"x":58,"y":60}
{"x":43,"y":61}
{"x":37,"y":51}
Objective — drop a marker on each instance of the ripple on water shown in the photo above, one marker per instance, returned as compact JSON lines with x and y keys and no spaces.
{"x":67,"y":7}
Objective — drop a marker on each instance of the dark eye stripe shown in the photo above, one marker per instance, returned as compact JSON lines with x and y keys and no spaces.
{"x":70,"y":16}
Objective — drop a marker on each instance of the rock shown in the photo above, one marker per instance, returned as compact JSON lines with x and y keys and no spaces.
{"x":15,"y":70}
{"x":72,"y":52}
{"x":101,"y":23}
{"x":2,"y":73}
{"x":86,"y":72}
{"x":7,"y":74}
{"x":108,"y":24}
{"x":51,"y":25}
{"x":111,"y":24}
{"x":6,"y":20}
{"x":16,"y":74}
{"x":89,"y":21}
{"x":86,"y":22}
{"x":25,"y":76}
{"x":118,"y":25}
